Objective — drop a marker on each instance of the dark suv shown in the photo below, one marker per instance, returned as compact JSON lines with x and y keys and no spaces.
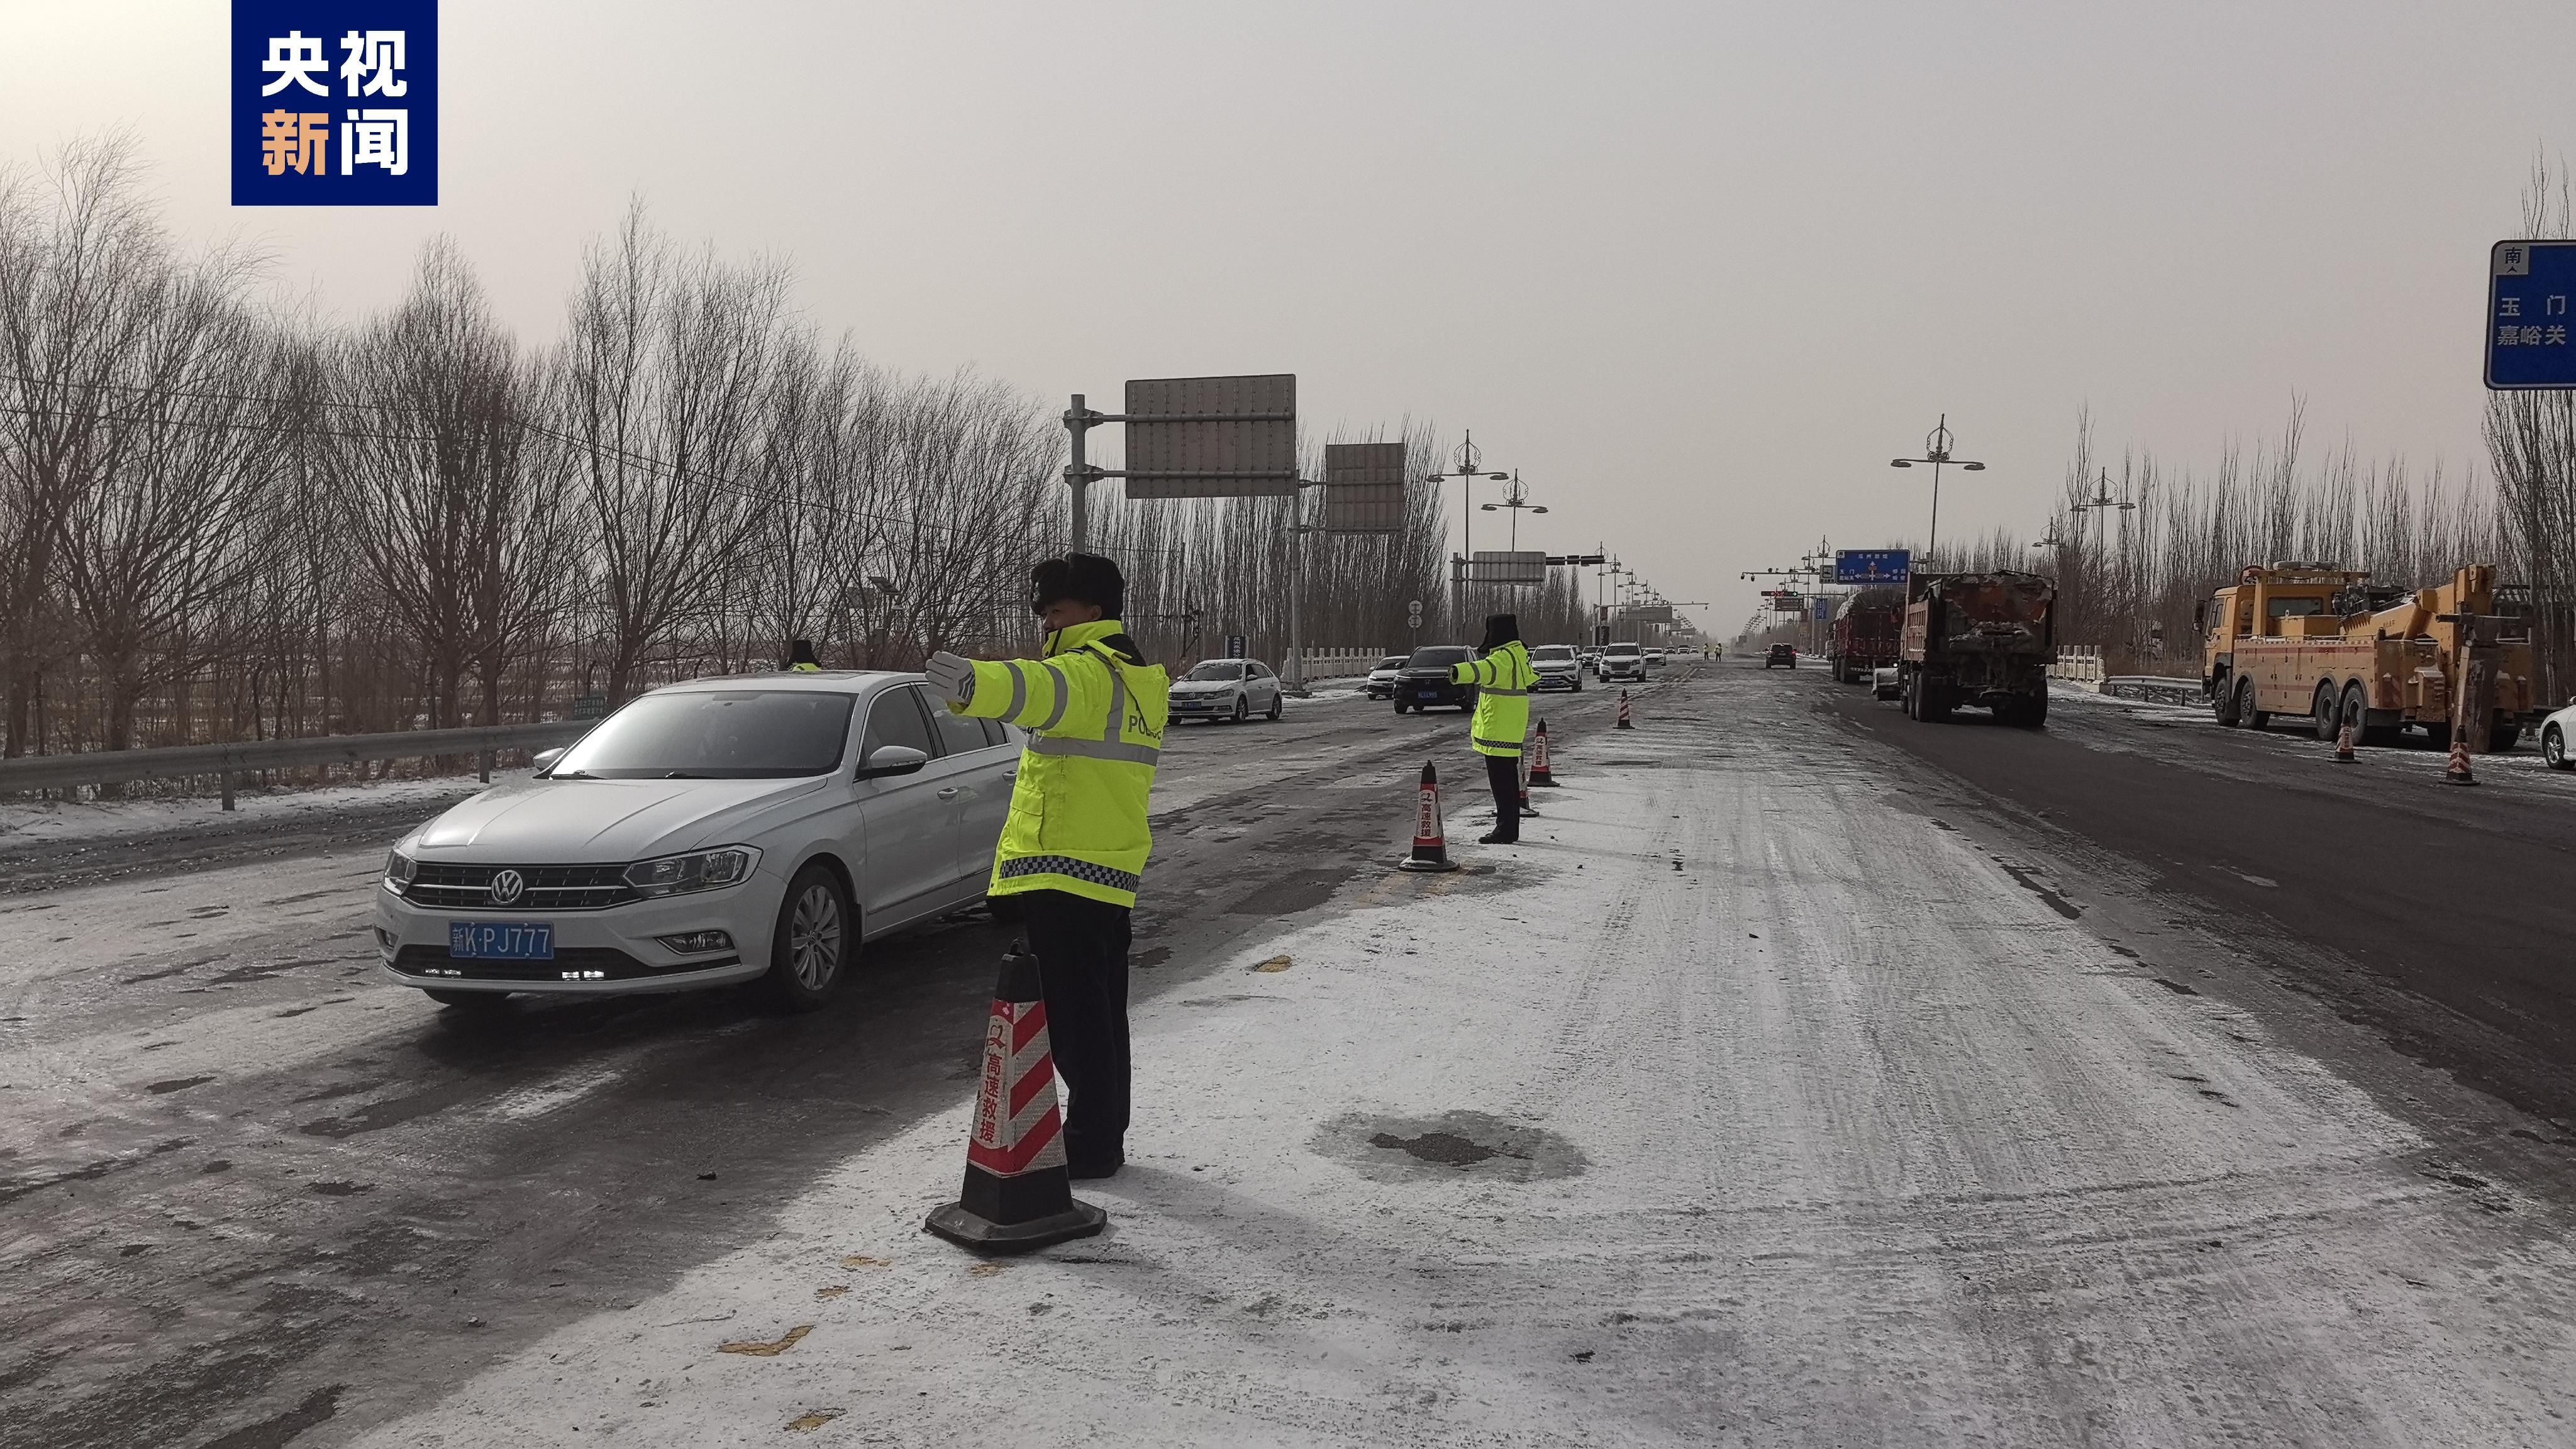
{"x":1424,"y":679}
{"x":1784,"y":655}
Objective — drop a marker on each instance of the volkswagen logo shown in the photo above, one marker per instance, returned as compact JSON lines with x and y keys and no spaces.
{"x":506,"y":885}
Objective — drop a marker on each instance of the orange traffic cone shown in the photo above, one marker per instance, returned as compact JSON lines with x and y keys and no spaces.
{"x":1017,"y":1195}
{"x":2459,"y":773}
{"x":1430,"y":846}
{"x":1539,"y":773}
{"x":1623,"y":711}
{"x":2343,"y":745}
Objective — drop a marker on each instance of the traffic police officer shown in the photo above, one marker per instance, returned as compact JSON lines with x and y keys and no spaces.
{"x":1503,"y":679}
{"x":800,"y":657}
{"x":1073,"y":848}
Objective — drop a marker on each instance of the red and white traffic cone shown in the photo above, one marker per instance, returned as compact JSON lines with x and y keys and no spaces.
{"x":2343,"y":745}
{"x":1430,"y":846}
{"x":1623,"y":711}
{"x":1527,"y":813}
{"x":1539,"y":773}
{"x":1018,"y":1195}
{"x":2459,"y":773}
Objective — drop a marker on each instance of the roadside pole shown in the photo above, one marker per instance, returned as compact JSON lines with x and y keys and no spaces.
{"x":1077,"y":476}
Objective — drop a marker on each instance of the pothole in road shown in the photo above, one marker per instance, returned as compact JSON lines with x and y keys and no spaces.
{"x":1450,"y":1146}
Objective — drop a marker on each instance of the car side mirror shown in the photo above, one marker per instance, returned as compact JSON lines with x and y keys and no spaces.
{"x":887,"y":760}
{"x":544,"y":760}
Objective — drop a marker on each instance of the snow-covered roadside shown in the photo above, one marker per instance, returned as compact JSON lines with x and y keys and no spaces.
{"x":1735,"y":1106}
{"x":25,"y":822}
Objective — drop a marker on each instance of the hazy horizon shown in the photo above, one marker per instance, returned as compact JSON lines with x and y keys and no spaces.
{"x":1698,"y":272}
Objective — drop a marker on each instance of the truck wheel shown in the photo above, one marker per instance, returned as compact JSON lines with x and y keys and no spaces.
{"x":2502,"y":736}
{"x":2356,"y":712}
{"x":2222,"y":702}
{"x":2438,"y":735}
{"x":2325,"y":712}
{"x":2553,"y":749}
{"x":2255,"y":719}
{"x":1911,"y":699}
{"x":2033,"y":713}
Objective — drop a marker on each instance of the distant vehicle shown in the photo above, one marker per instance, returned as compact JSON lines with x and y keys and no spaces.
{"x":1982,"y":639}
{"x":2312,"y":640}
{"x":1783,"y":656}
{"x":1886,"y":683}
{"x":1654,"y":659}
{"x":1623,"y":661}
{"x":1381,"y":680}
{"x":2554,"y":733}
{"x":1592,"y":661}
{"x":712,"y":832}
{"x":1558,"y":667}
{"x":1424,"y":681}
{"x":1227,"y":689}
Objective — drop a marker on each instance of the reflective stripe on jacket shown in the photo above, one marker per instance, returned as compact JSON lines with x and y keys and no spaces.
{"x":1503,"y":680}
{"x":1077,"y":820}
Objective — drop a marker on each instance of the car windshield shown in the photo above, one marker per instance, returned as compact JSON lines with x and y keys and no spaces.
{"x":1559,"y":653}
{"x":1623,"y":648}
{"x":1392,"y":661}
{"x":711,"y":734}
{"x":1223,"y":669}
{"x":1439,"y":656}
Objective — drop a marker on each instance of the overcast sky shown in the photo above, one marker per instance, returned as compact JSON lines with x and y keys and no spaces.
{"x":1697,"y":270}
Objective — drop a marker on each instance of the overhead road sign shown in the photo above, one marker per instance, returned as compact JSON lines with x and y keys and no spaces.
{"x":1497,"y":567}
{"x":1788,"y":604}
{"x":2529,"y":287}
{"x":1646,"y":614}
{"x":1364,"y":488}
{"x":1211,"y":437}
{"x":1872,"y":565}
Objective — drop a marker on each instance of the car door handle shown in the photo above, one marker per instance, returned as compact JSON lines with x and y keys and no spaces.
{"x":951,"y":793}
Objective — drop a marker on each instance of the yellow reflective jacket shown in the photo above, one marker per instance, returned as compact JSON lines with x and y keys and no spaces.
{"x":1077,"y":820}
{"x":1503,"y":680}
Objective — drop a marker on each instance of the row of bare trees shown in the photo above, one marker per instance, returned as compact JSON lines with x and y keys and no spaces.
{"x":220,"y":520}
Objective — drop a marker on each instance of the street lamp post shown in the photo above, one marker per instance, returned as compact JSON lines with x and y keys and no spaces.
{"x":1470,"y":460}
{"x":2100,"y":503}
{"x":1936,"y":451}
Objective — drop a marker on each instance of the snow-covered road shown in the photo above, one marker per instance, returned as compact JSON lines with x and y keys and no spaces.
{"x":1741,"y":1104}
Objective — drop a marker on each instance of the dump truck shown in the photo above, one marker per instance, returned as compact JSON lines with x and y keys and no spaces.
{"x":1867,"y":629}
{"x":1983,"y":639}
{"x":2314,"y":640}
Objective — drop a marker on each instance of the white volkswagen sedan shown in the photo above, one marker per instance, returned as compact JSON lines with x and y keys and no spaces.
{"x":1226,"y":689}
{"x":711,"y":832}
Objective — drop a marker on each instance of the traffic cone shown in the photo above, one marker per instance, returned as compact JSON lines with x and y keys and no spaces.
{"x":2343,"y":745}
{"x":1017,"y":1196}
{"x":1526,"y":812}
{"x":1539,"y":773}
{"x":1623,"y":711}
{"x":1430,"y":846}
{"x":2459,"y":773}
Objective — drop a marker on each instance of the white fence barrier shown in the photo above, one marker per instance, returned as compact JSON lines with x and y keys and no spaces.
{"x":1337,"y":663}
{"x":2078,"y":664}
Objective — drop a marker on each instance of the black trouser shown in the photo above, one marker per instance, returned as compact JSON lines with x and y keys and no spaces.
{"x":1081,"y":946}
{"x":1504,"y":772}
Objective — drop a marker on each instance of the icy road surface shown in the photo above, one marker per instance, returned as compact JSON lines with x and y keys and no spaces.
{"x":1737,"y":1106}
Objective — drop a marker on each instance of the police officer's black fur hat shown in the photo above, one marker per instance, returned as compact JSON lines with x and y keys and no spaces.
{"x":1085,"y":578}
{"x":1500,"y":629}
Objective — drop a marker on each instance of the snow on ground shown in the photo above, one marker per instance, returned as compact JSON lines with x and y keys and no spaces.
{"x":26,"y":822}
{"x":1736,"y":1106}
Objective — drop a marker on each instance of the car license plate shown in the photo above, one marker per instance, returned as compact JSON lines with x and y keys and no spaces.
{"x":501,"y":940}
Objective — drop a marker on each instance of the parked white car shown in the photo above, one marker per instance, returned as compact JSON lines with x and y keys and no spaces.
{"x":711,"y":832}
{"x":2555,"y":733}
{"x":1227,"y":689}
{"x":1380,"y":683}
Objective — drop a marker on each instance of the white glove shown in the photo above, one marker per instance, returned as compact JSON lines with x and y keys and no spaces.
{"x":953,"y":677}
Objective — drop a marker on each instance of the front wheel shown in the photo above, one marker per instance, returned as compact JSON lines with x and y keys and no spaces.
{"x":2222,"y":703}
{"x":1399,"y":706}
{"x":2553,"y":749}
{"x":810,"y":949}
{"x":1242,"y":710}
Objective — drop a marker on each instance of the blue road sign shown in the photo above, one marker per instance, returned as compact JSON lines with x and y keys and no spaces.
{"x":2529,"y":284}
{"x":1823,"y":607}
{"x":1872,"y":565}
{"x":334,"y":102}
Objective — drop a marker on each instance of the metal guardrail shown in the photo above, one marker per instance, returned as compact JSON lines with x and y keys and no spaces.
{"x":242,"y":757}
{"x":2154,"y":688}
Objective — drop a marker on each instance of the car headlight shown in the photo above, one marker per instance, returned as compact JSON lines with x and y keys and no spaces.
{"x":703,"y":870}
{"x":399,"y":870}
